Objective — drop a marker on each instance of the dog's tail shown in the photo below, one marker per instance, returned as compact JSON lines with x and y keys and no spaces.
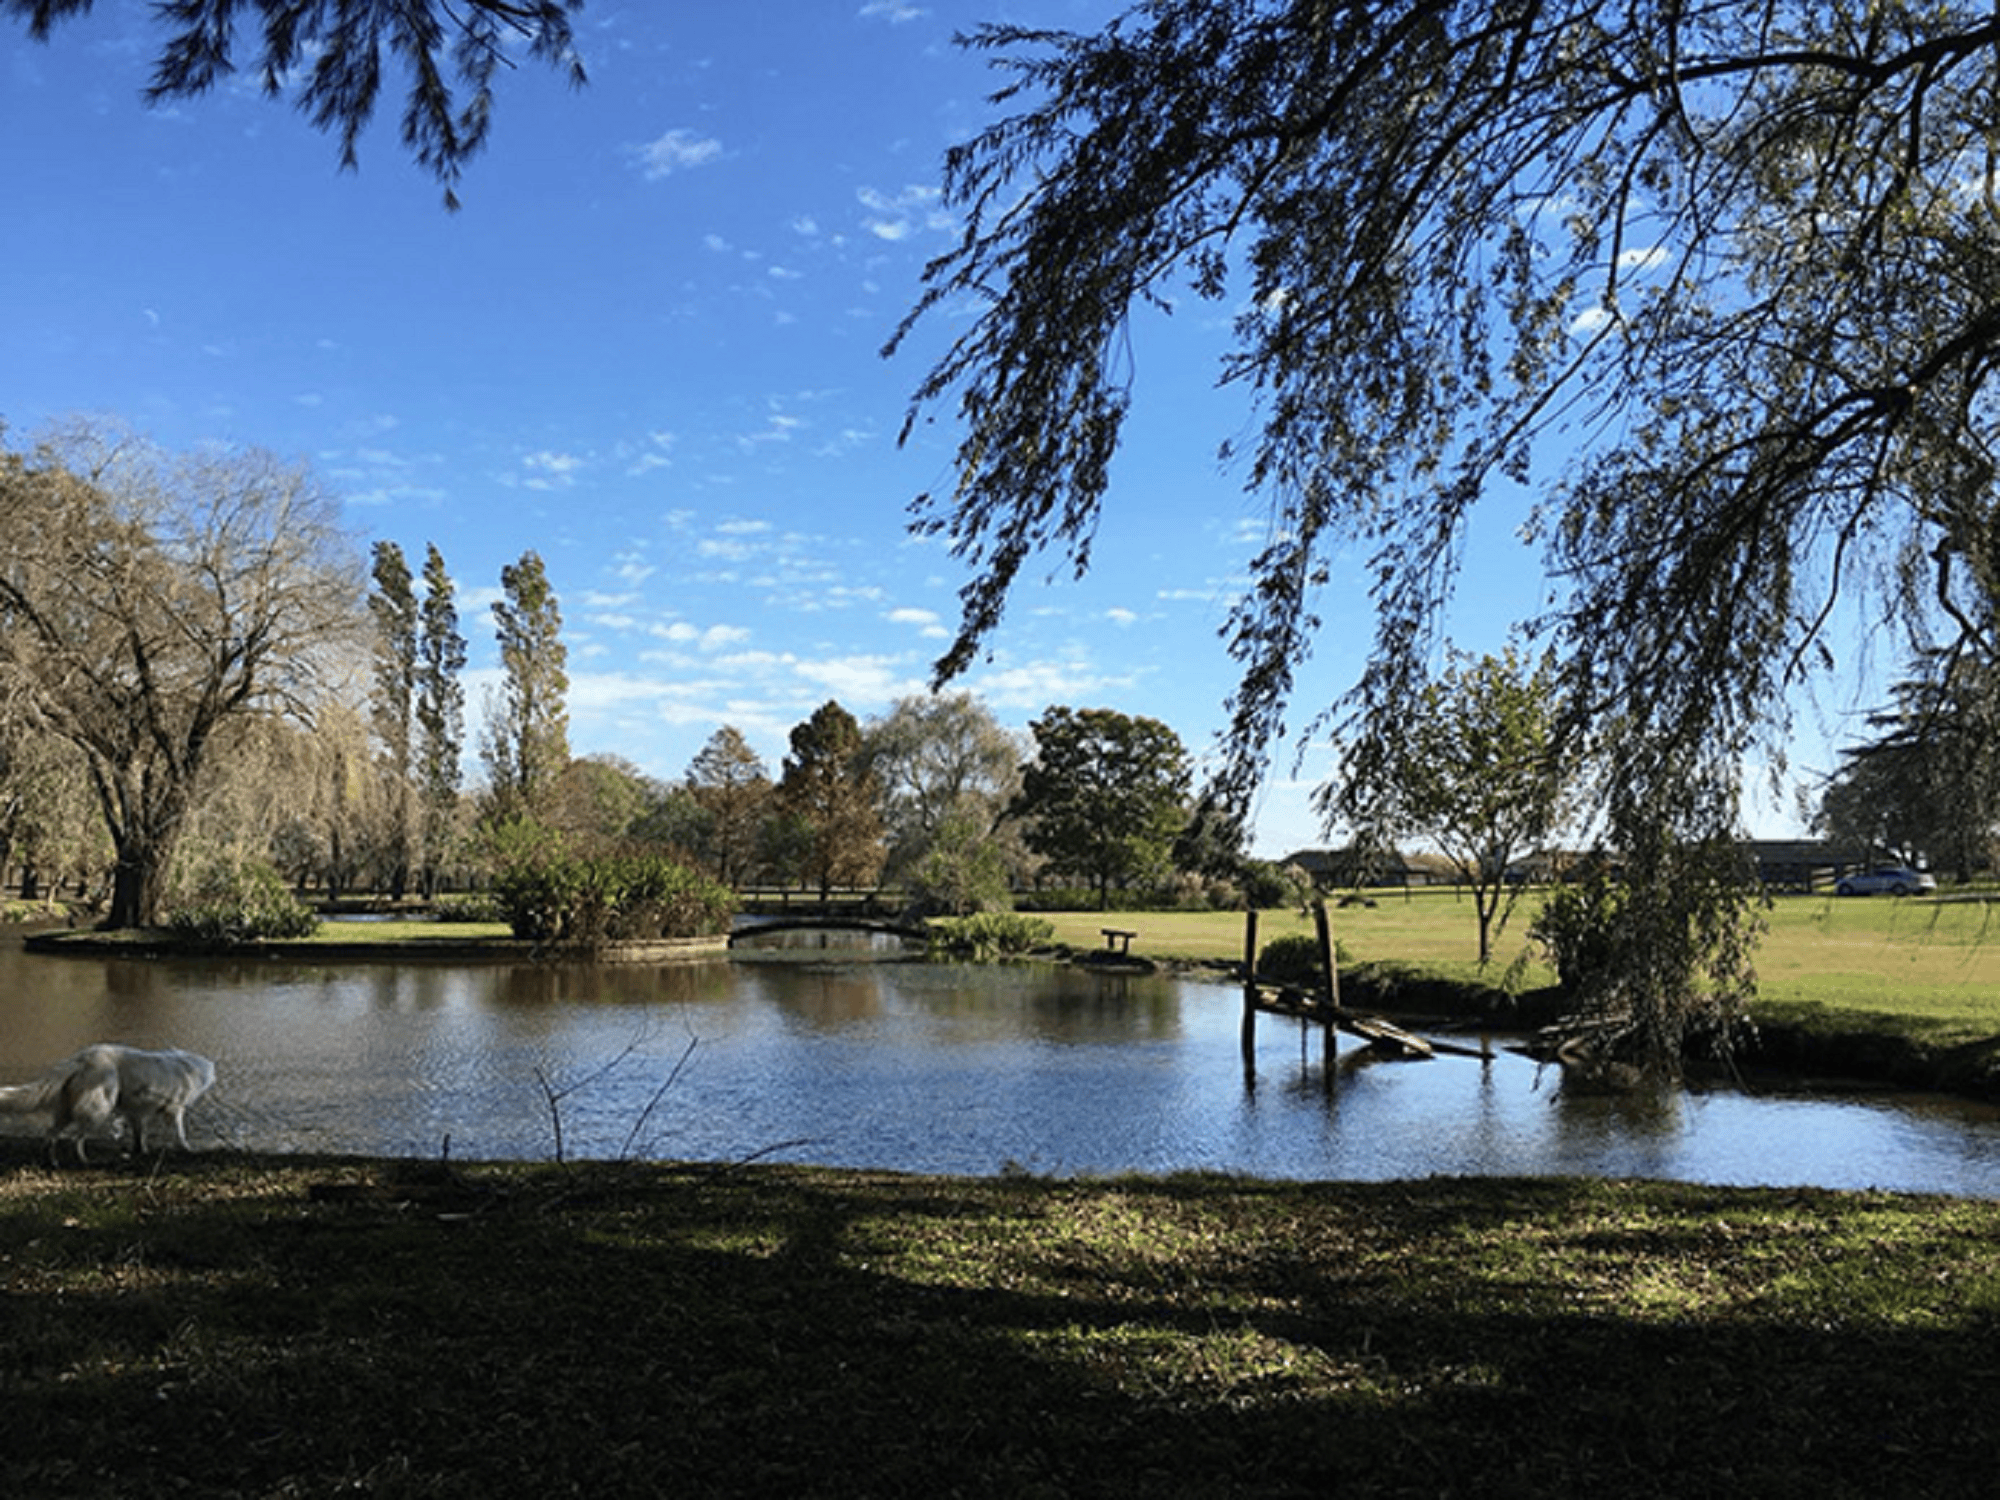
{"x":42,"y":1094}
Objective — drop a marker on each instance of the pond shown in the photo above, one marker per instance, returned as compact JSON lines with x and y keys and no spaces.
{"x":824,"y":1058}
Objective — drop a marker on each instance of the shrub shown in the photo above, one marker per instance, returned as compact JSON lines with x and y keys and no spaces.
{"x":988,"y":935}
{"x":241,"y":902}
{"x":1295,"y":960}
{"x":1575,"y":927}
{"x":1267,"y":885}
{"x":468,"y":906}
{"x":548,"y":895}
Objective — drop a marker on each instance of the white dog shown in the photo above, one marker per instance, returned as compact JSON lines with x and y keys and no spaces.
{"x":101,"y":1084}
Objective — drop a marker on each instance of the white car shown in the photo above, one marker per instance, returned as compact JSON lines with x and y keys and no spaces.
{"x":1893,"y":880}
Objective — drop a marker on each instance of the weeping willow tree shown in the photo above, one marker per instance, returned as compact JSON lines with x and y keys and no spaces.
{"x":331,"y":59}
{"x":1721,"y":280}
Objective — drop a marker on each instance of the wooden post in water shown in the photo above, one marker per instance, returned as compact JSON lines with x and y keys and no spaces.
{"x":1330,"y":967}
{"x":1250,"y":995}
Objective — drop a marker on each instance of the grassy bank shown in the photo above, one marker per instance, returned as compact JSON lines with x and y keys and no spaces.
{"x":1929,"y":966}
{"x":225,"y":1326}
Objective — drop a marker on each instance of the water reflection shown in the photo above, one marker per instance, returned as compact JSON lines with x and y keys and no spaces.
{"x":909,"y":1065}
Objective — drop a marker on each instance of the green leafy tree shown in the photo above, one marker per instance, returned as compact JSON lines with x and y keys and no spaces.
{"x":1925,"y":788}
{"x":148,"y":602}
{"x":1105,"y":795}
{"x":827,"y":786}
{"x":330,"y":60}
{"x":1475,"y":767}
{"x":599,"y":800}
{"x":1718,"y":280}
{"x":945,"y":763}
{"x":440,"y":714}
{"x":525,"y":743}
{"x":963,"y":869}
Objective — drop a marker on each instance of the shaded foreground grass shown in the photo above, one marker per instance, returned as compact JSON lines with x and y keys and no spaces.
{"x":226,"y":1326}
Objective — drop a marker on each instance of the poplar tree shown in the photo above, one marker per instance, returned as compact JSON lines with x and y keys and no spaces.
{"x":440,"y":713}
{"x":392,"y":704}
{"x":525,"y":743}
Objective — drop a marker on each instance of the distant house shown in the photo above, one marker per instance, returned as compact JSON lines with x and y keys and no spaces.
{"x":1338,"y":869}
{"x":1799,"y":864}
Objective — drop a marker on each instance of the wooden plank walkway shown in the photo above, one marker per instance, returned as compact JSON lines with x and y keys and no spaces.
{"x":1384,"y":1036}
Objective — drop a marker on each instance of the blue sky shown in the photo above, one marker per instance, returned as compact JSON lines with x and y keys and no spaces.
{"x":647,"y":347}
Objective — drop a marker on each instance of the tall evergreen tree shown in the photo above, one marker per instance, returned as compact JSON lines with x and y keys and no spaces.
{"x":729,"y":783}
{"x":829,"y":789}
{"x":392,"y":704}
{"x":526,"y":739}
{"x":440,"y":713}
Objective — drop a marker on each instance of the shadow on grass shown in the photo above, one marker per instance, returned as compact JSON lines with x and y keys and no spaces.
{"x":223,"y":1326}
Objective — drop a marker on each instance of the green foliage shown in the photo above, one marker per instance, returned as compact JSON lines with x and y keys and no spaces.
{"x":962,"y":869}
{"x":1294,"y":959}
{"x":827,"y":786}
{"x":1083,"y":898}
{"x":547,"y":893}
{"x":1266,"y":884}
{"x":240,"y":901}
{"x":1104,"y":796}
{"x":525,"y":742}
{"x":1575,"y":927}
{"x":988,"y":935}
{"x":468,"y":906}
{"x":1473,"y":765}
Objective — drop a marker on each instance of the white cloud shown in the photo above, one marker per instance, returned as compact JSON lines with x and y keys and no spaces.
{"x":860,"y":679}
{"x":897,"y":216}
{"x":548,"y":470}
{"x":1032,"y":687}
{"x":631,"y":568}
{"x":676,"y":151}
{"x":1121,"y":617}
{"x":895,"y":12}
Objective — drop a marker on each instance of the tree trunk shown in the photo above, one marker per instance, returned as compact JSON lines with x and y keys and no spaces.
{"x":137,"y":885}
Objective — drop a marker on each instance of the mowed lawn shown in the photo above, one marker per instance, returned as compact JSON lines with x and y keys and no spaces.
{"x":1927,"y":967}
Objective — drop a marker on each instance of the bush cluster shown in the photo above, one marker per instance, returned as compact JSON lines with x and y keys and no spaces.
{"x":989,"y":935}
{"x":1295,"y":960}
{"x":241,"y":902}
{"x":1576,"y":928}
{"x":554,"y":896}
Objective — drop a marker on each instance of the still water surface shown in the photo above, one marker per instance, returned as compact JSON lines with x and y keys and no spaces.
{"x":922,"y":1067}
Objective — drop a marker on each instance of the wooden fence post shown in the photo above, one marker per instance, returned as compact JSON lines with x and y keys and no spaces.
{"x":1330,"y":967}
{"x":1250,"y":993}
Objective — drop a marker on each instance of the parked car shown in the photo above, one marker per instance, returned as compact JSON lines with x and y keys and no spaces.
{"x":1891,"y":880}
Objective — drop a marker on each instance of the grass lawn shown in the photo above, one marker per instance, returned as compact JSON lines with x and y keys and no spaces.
{"x":227,"y":1326}
{"x":1924,"y":967}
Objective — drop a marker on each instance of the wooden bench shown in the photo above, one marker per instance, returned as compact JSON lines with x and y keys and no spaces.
{"x":1118,"y":940}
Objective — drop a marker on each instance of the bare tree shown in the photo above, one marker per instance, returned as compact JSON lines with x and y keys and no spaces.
{"x":149,"y":599}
